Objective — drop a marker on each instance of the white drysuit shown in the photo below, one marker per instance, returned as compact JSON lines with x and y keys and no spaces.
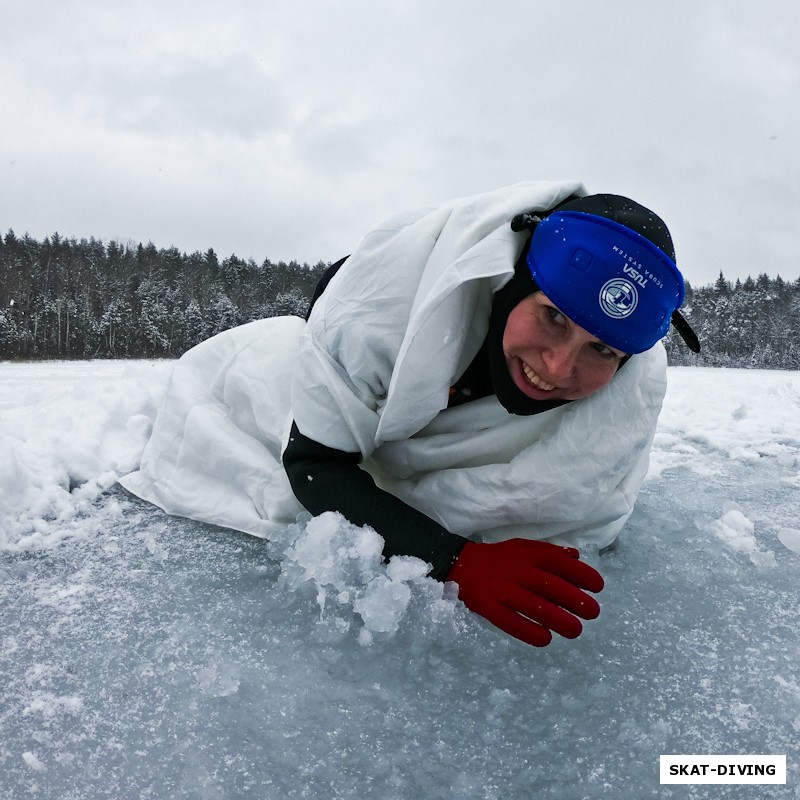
{"x":371,"y":373}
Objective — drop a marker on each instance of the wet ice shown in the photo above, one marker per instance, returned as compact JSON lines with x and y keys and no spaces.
{"x":146,"y":656}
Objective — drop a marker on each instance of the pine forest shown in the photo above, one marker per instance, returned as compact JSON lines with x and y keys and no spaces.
{"x":73,"y":299}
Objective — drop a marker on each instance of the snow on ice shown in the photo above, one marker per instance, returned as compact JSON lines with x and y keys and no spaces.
{"x":148,"y":656}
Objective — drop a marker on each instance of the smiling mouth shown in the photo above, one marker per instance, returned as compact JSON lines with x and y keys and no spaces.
{"x":534,"y":379}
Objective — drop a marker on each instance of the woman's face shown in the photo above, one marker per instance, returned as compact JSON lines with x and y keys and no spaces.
{"x":549,"y":357}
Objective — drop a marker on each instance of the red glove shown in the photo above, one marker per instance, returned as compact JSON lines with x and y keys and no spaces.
{"x":527,"y":588}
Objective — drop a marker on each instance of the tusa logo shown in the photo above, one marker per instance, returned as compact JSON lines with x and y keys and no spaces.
{"x":635,"y":274}
{"x":618,"y":298}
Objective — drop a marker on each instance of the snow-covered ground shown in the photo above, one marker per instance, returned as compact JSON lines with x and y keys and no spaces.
{"x":143,"y":656}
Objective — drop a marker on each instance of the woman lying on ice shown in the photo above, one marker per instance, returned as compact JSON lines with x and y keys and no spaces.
{"x":476,"y":378}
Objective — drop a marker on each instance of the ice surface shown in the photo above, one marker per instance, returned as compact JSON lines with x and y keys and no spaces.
{"x":790,"y":537}
{"x":147,"y":656}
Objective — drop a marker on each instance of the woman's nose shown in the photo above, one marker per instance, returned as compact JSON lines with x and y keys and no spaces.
{"x":560,"y":361}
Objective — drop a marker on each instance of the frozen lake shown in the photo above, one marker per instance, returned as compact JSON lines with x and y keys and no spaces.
{"x":147,"y":656}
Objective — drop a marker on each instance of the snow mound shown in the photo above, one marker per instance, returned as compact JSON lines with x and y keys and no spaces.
{"x":736,"y":531}
{"x":342,"y":564}
{"x":80,"y":426}
{"x":746,"y":416}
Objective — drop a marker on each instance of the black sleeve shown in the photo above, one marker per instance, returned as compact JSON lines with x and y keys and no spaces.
{"x":325,"y":479}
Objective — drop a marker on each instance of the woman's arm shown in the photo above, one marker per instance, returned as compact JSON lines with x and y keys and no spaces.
{"x":525,"y":588}
{"x":325,"y":479}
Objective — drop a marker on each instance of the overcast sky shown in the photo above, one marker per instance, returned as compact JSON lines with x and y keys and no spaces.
{"x":288,"y":128}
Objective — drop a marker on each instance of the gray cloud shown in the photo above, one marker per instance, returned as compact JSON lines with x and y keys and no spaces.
{"x":227,"y":97}
{"x":287,"y":130}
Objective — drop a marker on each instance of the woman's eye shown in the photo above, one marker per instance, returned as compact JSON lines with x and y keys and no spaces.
{"x":603,"y":350}
{"x":555,"y":314}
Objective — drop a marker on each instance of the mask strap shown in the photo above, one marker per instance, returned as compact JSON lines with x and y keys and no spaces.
{"x":685,"y":330}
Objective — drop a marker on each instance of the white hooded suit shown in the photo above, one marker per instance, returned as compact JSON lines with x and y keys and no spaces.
{"x":371,"y":372}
